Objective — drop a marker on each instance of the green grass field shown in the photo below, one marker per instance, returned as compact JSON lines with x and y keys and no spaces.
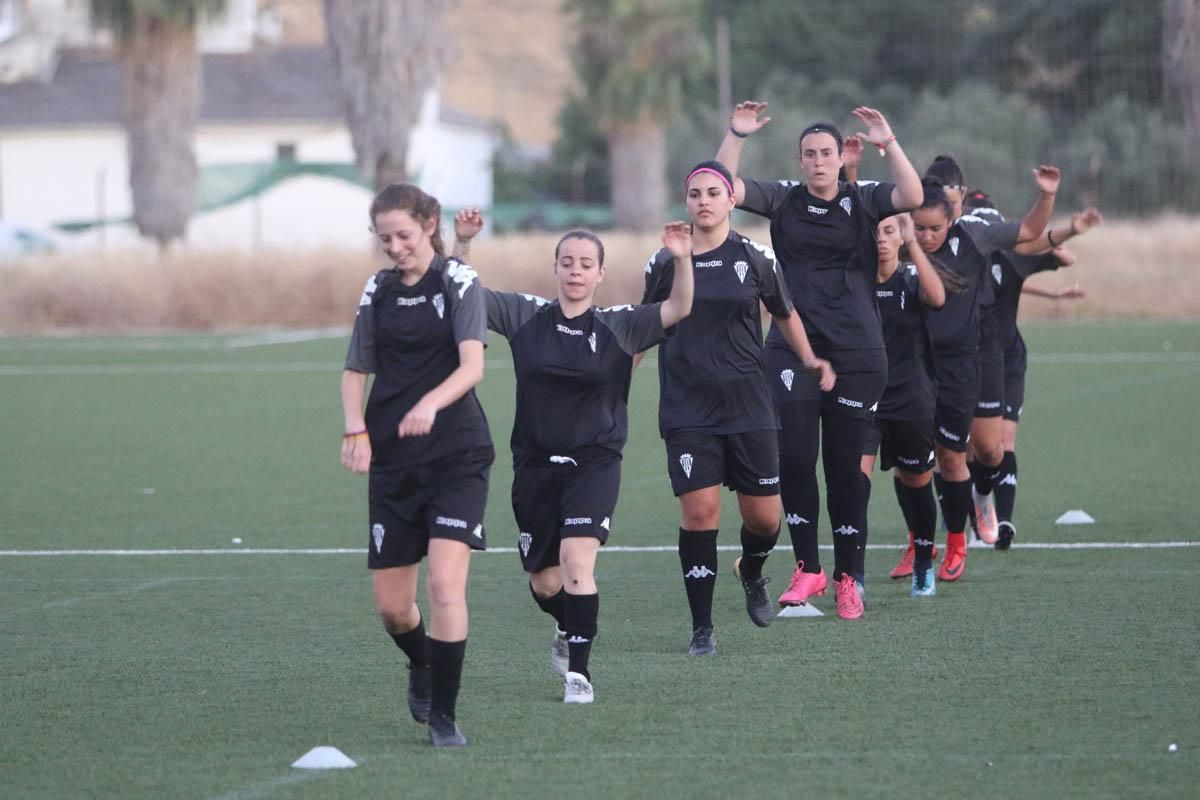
{"x":1044,"y":673}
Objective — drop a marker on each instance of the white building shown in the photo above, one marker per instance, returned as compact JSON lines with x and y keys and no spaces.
{"x":62,"y":145}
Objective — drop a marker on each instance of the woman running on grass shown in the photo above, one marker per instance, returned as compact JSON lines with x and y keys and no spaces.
{"x":715,"y":411}
{"x":424,"y":443}
{"x":573,"y":363}
{"x":824,"y":231}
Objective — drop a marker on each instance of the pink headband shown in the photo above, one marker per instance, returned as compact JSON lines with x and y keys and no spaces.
{"x":697,"y":171}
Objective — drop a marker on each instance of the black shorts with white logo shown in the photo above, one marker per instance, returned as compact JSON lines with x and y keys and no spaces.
{"x":905,"y":444}
{"x":444,"y":499}
{"x":1015,"y":362}
{"x":555,"y":497}
{"x":991,"y":371}
{"x":745,"y":462}
{"x":856,"y":393}
{"x":957,"y":376}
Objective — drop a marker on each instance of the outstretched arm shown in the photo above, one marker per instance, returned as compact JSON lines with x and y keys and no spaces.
{"x":1053,"y":237}
{"x":1035,"y":222}
{"x":908,"y":193}
{"x":745,"y":120}
{"x":677,"y":237}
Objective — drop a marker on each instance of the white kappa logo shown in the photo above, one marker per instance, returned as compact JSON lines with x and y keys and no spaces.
{"x":686,"y":462}
{"x":563,"y":460}
{"x":478,"y":531}
{"x":845,"y":204}
{"x":787,"y":376}
{"x":377,"y":535}
{"x":741,"y":268}
{"x":846,"y":530}
{"x":604,"y":523}
{"x":1009,"y":480}
{"x":796,"y":519}
{"x":439,"y":305}
{"x":954,"y":245}
{"x":699,"y":571}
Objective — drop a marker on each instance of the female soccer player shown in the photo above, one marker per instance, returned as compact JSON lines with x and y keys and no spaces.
{"x":964,"y":247}
{"x":573,"y":363}
{"x":824,"y":232}
{"x":424,"y":443}
{"x":715,"y":410}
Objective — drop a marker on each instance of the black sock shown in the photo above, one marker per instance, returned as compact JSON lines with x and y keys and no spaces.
{"x":415,"y":644}
{"x":956,"y":504}
{"x":939,"y":491}
{"x":446,"y":658}
{"x":552,"y":605}
{"x":1006,"y":487}
{"x":580,"y":613}
{"x":923,"y":507}
{"x":983,"y":476}
{"x":698,"y":558}
{"x":860,"y":564}
{"x":755,"y":550}
{"x":801,"y":497}
{"x":902,"y":499}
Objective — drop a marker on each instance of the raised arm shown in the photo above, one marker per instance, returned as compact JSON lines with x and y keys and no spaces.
{"x":1035,"y":222}
{"x":908,"y":193}
{"x":356,"y":446}
{"x":677,"y":237}
{"x":933,"y":291}
{"x":793,"y":332}
{"x":1053,"y":237}
{"x":468,"y":222}
{"x":745,"y":120}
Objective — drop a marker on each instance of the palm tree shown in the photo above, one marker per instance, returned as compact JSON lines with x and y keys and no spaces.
{"x":1181,"y":63}
{"x":161,"y":92}
{"x":635,"y":59}
{"x":388,"y":53}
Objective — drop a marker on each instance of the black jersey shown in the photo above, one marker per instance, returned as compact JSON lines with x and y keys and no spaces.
{"x":711,"y":370}
{"x":910,"y":392}
{"x":572,"y":374}
{"x":967,"y":251}
{"x":408,"y":337}
{"x":828,"y":254}
{"x":1009,"y":271}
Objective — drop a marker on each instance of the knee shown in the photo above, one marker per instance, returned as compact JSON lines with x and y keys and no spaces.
{"x":445,"y":591}
{"x":989,"y":452}
{"x":547,"y":583}
{"x":397,"y":619}
{"x":701,"y":515}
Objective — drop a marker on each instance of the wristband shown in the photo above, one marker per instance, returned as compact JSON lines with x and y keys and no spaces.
{"x":352,"y":434}
{"x":737,"y":133}
{"x":1050,"y":237}
{"x":883,"y":147}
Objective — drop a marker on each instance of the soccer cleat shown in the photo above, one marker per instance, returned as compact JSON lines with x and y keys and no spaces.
{"x":985,"y":516}
{"x":1005,"y":533}
{"x":955,"y":561}
{"x":704,"y":642}
{"x":758,"y":605}
{"x":560,"y":653}
{"x":444,"y":731}
{"x":904,"y":567}
{"x":577,"y":689}
{"x":420,"y":692}
{"x":924,"y":584}
{"x":849,"y":602}
{"x":803,"y":586}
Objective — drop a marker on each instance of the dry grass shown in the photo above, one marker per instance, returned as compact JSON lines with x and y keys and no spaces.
{"x":1129,"y":269}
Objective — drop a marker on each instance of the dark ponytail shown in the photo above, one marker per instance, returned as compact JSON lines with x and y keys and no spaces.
{"x":420,"y":206}
{"x":945,"y":170}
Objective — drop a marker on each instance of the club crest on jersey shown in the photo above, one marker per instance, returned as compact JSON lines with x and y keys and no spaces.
{"x":845,"y":204}
{"x":686,"y":462}
{"x":954,"y":245}
{"x":741,"y":268}
{"x":523,"y":542}
{"x":996,"y":272}
{"x":902,"y":301}
{"x":377,"y":535}
{"x":592,"y":341}
{"x":439,"y":305}
{"x":787,"y":376}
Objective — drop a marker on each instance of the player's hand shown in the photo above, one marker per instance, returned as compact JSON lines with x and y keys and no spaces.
{"x":1075,"y":292}
{"x":879,"y":132}
{"x":356,"y":454}
{"x":418,"y":421}
{"x":1047,"y":179}
{"x":824,"y":371}
{"x":1084,"y":221}
{"x":677,"y":237}
{"x":908,"y":232}
{"x":852,"y":150}
{"x":746,"y":117}
{"x":1064,"y":256}
{"x":468,"y":222}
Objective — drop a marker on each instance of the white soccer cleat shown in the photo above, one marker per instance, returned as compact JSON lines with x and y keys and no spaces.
{"x":577,"y":689}
{"x":986,"y":524}
{"x":560,"y":653}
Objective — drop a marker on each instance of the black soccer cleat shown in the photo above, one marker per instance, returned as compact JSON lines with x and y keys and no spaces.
{"x":444,"y":732}
{"x":1005,"y":533}
{"x":420,"y":692}
{"x":704,"y":642}
{"x":758,"y":604}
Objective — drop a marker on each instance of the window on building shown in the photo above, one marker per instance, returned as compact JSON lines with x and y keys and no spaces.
{"x":285,"y":151}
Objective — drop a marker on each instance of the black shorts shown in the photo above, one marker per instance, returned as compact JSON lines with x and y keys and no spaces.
{"x":904,"y":444}
{"x":856,"y":393}
{"x":1015,"y":362}
{"x":560,"y":497}
{"x":991,"y":371}
{"x":443,"y":499}
{"x":745,"y":462}
{"x":957,"y":376}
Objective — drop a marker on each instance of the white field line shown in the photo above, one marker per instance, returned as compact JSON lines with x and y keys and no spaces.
{"x":287,"y":337}
{"x":360,"y":551}
{"x":1165,"y":357}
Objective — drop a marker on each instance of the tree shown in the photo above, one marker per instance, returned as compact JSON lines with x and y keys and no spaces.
{"x":635,"y":59}
{"x":161,"y":94}
{"x":1181,"y":64}
{"x":388,"y":54}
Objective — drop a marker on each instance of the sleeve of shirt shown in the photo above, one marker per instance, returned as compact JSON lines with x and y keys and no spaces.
{"x":659,"y":276}
{"x":636,"y":328}
{"x":764,"y":197}
{"x":507,"y":312}
{"x":1025,"y":265}
{"x":772,"y":288}
{"x":360,"y":356}
{"x":468,"y":309}
{"x":990,"y":237}
{"x":877,"y":199}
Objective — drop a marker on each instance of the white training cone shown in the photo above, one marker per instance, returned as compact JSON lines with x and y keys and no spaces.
{"x":802,"y":610}
{"x":1076,"y":516}
{"x":324,"y":758}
